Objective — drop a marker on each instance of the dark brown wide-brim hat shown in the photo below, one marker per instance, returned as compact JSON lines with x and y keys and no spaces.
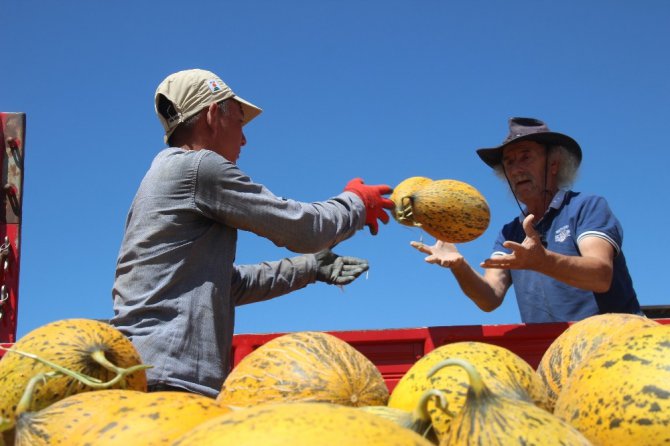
{"x":529,"y":129}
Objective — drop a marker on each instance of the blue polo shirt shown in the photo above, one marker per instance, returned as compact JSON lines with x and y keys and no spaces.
{"x":571,"y":217}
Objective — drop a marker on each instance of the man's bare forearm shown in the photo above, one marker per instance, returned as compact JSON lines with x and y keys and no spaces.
{"x":587,"y":273}
{"x":476,"y":287}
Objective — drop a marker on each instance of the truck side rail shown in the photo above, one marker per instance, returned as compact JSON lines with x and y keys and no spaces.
{"x":394,"y":351}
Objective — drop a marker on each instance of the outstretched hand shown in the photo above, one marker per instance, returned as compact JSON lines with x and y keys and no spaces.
{"x":338,"y":270}
{"x":374,"y":201}
{"x":441,"y":253}
{"x":529,"y":254}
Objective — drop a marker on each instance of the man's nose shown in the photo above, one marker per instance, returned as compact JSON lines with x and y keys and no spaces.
{"x":244,"y":140}
{"x":513,"y":167}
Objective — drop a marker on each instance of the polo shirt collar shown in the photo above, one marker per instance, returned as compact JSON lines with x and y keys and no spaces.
{"x":556,"y":203}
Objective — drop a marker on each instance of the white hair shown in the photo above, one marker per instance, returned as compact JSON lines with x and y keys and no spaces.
{"x":568,"y":166}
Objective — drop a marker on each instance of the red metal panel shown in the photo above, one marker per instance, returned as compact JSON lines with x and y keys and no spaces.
{"x":394,"y":351}
{"x":529,"y":341}
{"x":12,"y":135}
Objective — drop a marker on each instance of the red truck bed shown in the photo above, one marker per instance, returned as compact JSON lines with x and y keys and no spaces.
{"x":394,"y":351}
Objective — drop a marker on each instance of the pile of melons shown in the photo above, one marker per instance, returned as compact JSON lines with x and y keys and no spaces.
{"x":604,"y":381}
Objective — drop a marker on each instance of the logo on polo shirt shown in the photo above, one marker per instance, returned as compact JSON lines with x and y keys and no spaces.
{"x":562,"y":234}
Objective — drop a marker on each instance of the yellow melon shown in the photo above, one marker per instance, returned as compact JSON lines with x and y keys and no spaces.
{"x":401,"y":197}
{"x":85,"y":346}
{"x":487,"y":418}
{"x":572,"y":347}
{"x":300,"y":424}
{"x":621,"y":395}
{"x":116,"y":417}
{"x":305,"y":366}
{"x":451,"y":211}
{"x":417,"y":420}
{"x":502,"y":370}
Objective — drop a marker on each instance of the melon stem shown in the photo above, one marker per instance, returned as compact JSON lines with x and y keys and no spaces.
{"x":27,"y":397}
{"x":477,"y":386}
{"x":421,"y":410}
{"x":95,"y":383}
{"x":406,"y":209}
{"x":82,"y":378}
{"x":423,"y":423}
{"x":99,"y":357}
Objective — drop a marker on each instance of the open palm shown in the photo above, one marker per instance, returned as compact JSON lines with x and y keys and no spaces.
{"x":441,"y":253}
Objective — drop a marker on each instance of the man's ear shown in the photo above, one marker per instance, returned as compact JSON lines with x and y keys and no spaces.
{"x":212,"y":113}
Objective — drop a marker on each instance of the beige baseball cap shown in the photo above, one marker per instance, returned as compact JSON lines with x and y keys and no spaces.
{"x":184,"y":93}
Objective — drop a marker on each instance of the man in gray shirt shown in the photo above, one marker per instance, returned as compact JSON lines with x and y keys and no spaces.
{"x":177,"y":285}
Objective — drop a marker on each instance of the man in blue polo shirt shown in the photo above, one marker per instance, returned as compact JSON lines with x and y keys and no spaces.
{"x":563,"y":254}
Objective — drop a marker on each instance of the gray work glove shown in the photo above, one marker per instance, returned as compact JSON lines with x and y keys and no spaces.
{"x":337,"y":270}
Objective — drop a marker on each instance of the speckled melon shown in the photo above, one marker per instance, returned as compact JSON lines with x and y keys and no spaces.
{"x":491,"y":419}
{"x":621,"y":395}
{"x":417,"y":420}
{"x":451,"y":211}
{"x":503,"y":371}
{"x":116,"y":417}
{"x":300,"y":424}
{"x":572,"y":347}
{"x":305,"y":366}
{"x":70,"y":343}
{"x":401,"y":197}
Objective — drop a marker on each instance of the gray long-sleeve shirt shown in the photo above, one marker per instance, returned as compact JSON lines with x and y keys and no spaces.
{"x":176,"y":283}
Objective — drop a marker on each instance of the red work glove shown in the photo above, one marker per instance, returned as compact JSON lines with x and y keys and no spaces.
{"x":373,"y":201}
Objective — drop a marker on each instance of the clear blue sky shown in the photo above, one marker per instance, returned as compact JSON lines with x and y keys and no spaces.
{"x":383,"y":90}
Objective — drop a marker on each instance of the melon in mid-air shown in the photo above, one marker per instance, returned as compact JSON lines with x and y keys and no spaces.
{"x":449,"y":210}
{"x":401,"y":197}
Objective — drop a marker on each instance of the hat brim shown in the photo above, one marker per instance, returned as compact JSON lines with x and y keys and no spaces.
{"x":493,"y":156}
{"x":250,"y":110}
